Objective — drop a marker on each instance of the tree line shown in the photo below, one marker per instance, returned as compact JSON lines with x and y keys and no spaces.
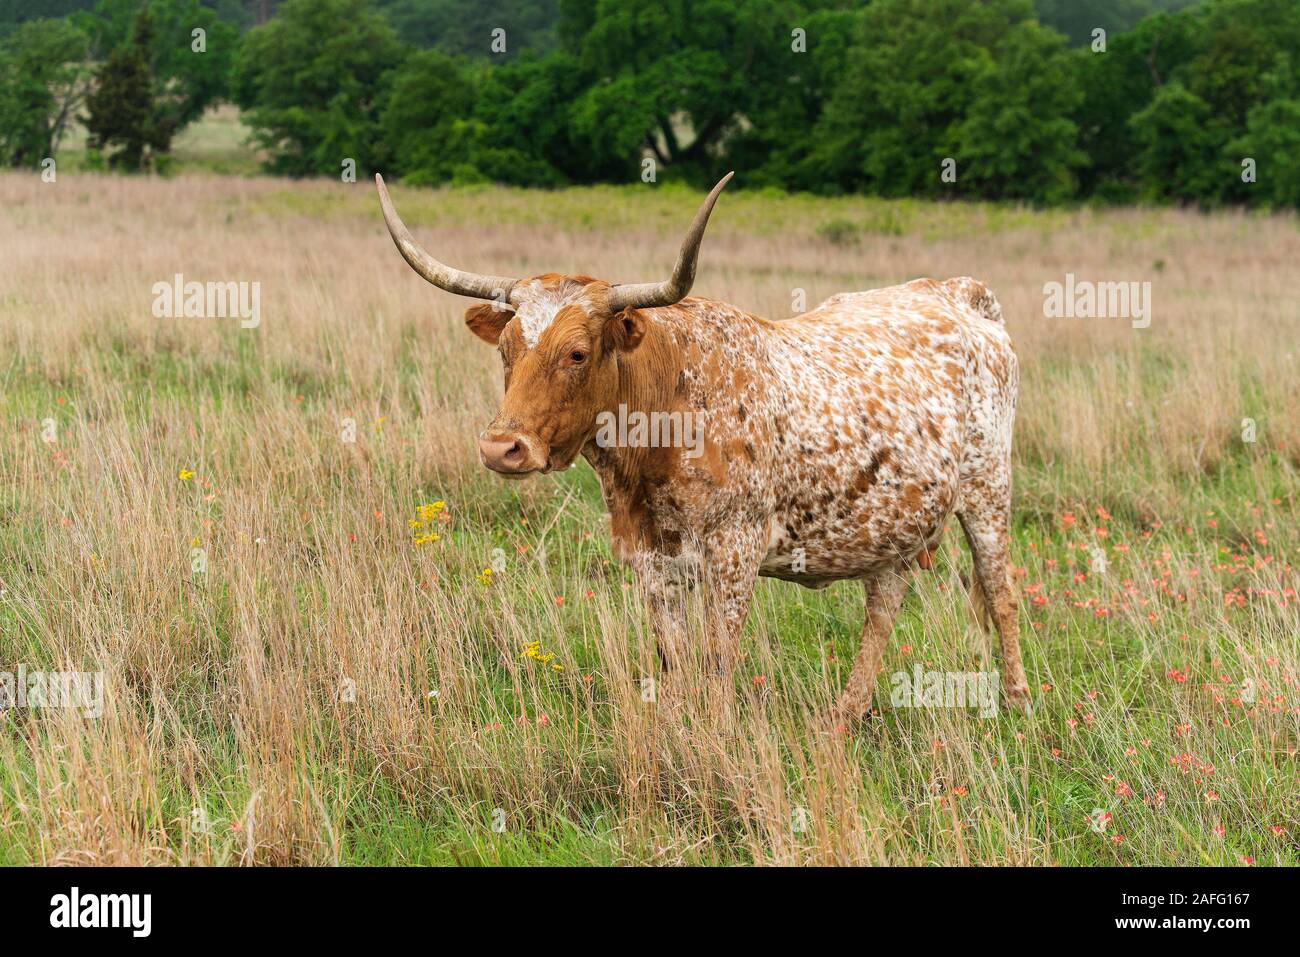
{"x":1194,"y":103}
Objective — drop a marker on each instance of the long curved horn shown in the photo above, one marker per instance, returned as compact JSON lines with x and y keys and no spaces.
{"x":441,"y":275}
{"x":647,"y":295}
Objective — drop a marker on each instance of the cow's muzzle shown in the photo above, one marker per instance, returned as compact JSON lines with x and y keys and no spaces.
{"x":511,"y":454}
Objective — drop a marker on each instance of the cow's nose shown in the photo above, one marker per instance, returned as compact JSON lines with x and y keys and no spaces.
{"x":507,"y":453}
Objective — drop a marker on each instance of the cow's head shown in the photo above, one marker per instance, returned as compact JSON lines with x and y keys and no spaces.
{"x":560,"y":339}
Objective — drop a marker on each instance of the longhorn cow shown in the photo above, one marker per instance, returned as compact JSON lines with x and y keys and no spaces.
{"x":836,"y":444}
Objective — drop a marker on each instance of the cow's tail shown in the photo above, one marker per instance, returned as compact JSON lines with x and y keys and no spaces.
{"x":980,"y":604}
{"x":979,"y":601}
{"x":976,"y":295}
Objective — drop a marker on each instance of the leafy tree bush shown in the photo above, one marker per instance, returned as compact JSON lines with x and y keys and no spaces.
{"x":446,"y":119}
{"x":927,"y":79}
{"x":42,"y":80}
{"x":1167,"y":108}
{"x":677,"y":80}
{"x":121,"y":111}
{"x":192,"y":80}
{"x":820,"y":95}
{"x":1017,"y":140}
{"x":1116,"y":85}
{"x":534,"y":108}
{"x":1176,"y":151}
{"x":1271,"y":141}
{"x":164,"y":62}
{"x":1078,"y":18}
{"x":465,"y":29}
{"x":773,"y":147}
{"x":312,"y":81}
{"x":423,"y":115}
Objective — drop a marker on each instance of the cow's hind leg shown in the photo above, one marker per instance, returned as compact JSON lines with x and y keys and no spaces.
{"x":985,"y":517}
{"x":885,"y":591}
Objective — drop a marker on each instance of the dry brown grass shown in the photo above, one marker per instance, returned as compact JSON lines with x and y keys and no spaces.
{"x":223,"y":689}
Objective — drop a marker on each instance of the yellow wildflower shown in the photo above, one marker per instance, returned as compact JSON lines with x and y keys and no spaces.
{"x":425,"y":515}
{"x":534,"y":650}
{"x":429,"y":512}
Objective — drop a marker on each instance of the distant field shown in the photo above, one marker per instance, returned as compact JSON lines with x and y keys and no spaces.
{"x":219,"y":143}
{"x":329,"y":691}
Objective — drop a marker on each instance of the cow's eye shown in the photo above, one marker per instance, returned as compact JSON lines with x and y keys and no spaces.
{"x":577,"y":357}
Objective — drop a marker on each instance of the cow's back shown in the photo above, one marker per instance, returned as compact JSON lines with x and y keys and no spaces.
{"x":846,"y":427}
{"x":870,"y":425}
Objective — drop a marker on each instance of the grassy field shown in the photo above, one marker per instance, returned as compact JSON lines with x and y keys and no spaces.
{"x":218,"y":143}
{"x":338,"y":688}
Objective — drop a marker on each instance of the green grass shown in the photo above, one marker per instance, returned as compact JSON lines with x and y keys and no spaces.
{"x":1184,"y":726}
{"x":217,"y":143}
{"x":1109,"y":675}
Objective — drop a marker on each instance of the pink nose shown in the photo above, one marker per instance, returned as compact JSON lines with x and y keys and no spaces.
{"x":507,"y":453}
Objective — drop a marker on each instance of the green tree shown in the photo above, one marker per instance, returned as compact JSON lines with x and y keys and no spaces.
{"x":676,"y":80}
{"x":529,"y":109}
{"x":190,"y":54}
{"x":1247,"y":75}
{"x":42,"y":81}
{"x":1240,"y":44}
{"x":426,"y":105}
{"x":1271,"y":141}
{"x":311,"y":82}
{"x":466,"y":29}
{"x":1177,"y":155}
{"x":1168,"y":106}
{"x":774,"y":144}
{"x":1078,"y":18}
{"x":450,"y":119}
{"x":1117,"y":84}
{"x":1017,"y":140}
{"x":122,"y":111}
{"x":903,"y":104}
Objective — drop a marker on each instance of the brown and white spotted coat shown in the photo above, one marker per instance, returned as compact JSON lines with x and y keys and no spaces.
{"x":836,"y":444}
{"x":851,"y":432}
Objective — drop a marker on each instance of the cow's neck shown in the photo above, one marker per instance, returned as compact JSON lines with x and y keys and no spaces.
{"x":648,"y":382}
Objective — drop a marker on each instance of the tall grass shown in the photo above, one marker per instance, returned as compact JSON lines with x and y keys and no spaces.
{"x":329,"y":691}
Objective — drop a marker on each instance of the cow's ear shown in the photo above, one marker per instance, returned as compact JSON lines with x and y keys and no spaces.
{"x":624,"y":331}
{"x":487,"y":320}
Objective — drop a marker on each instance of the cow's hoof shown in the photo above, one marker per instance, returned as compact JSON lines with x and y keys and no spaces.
{"x":1019,"y":700}
{"x":842,"y":723}
{"x":836,"y":726}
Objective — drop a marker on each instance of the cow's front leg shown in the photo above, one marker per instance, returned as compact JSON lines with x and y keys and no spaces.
{"x":665,"y":583}
{"x":732,"y":557}
{"x":726,"y":564}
